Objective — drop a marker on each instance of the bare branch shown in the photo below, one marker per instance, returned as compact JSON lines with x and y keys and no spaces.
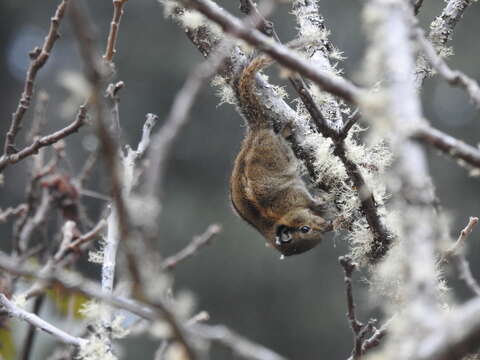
{"x":12,"y":211}
{"x":70,"y":241}
{"x":32,"y":319}
{"x":191,"y":249}
{"x":114,"y":25}
{"x":454,"y":77}
{"x":448,"y":145}
{"x":360,"y":331}
{"x":83,"y":239}
{"x":38,"y":58}
{"x":12,"y":158}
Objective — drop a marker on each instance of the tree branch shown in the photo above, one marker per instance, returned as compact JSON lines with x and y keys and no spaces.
{"x":283,"y":55}
{"x":453,"y":77}
{"x":114,"y":25}
{"x":38,"y":59}
{"x":12,"y":158}
{"x":448,"y":145}
{"x":191,"y":249}
{"x":14,"y":311}
{"x":443,"y":26}
{"x":457,"y":253}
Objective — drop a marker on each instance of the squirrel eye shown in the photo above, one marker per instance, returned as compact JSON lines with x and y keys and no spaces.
{"x":305,"y":229}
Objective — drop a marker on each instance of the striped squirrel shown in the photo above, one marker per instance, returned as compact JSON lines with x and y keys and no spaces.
{"x":266,"y":188}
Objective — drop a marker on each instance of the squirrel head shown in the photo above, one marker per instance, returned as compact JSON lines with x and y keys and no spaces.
{"x":300,"y":230}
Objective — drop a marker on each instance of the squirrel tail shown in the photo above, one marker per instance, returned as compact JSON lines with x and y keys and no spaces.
{"x":248,"y":98}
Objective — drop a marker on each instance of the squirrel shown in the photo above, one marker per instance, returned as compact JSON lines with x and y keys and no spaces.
{"x":266,"y":188}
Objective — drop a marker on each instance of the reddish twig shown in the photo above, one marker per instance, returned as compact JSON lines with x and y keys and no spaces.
{"x":114,"y":25}
{"x":362,"y":343}
{"x":8,"y":159}
{"x":38,"y":59}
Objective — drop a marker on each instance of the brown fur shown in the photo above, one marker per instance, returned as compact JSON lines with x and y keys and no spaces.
{"x":266,"y":189}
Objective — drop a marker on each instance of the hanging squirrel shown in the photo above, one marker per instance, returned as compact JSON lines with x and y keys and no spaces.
{"x":266,"y":188}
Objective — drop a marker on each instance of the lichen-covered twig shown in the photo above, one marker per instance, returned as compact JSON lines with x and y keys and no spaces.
{"x":442,"y":30}
{"x":453,"y":77}
{"x":38,"y":59}
{"x":284,"y":56}
{"x":17,"y":312}
{"x":444,"y":25}
{"x":456,"y":253}
{"x":191,"y":249}
{"x":308,"y":17}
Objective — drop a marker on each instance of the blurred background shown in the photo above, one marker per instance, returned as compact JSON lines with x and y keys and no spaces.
{"x":295,"y":306}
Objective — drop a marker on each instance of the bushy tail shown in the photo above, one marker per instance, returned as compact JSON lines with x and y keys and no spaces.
{"x":248,"y":98}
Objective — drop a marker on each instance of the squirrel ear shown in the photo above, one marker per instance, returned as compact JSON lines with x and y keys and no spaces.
{"x":283,"y":235}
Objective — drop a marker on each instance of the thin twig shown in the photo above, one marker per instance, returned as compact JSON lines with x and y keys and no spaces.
{"x":360,"y":331}
{"x":84,"y":238}
{"x":356,"y":326}
{"x":374,"y":340}
{"x":457,"y":254}
{"x":32,"y":319}
{"x":38,"y":59}
{"x":12,"y":158}
{"x":448,"y":145}
{"x":32,"y":330}
{"x":114,"y":25}
{"x":191,"y":249}
{"x":453,"y":77}
{"x":12,"y":211}
{"x":71,"y":243}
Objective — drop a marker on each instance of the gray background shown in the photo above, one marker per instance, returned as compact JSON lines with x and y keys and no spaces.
{"x":295,"y":306}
